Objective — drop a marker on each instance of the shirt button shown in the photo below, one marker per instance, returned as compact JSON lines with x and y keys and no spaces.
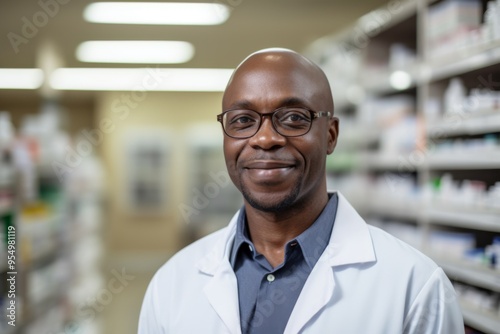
{"x":270,"y":277}
{"x":250,"y":247}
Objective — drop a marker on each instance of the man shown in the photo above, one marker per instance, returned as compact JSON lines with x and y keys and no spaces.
{"x":295,"y":258}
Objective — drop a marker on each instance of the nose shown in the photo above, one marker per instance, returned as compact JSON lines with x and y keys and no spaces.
{"x":267,"y":137}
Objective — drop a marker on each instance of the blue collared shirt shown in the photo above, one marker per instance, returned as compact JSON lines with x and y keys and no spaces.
{"x":268,"y":295}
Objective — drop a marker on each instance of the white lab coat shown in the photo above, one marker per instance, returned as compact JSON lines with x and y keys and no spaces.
{"x":365,"y":282}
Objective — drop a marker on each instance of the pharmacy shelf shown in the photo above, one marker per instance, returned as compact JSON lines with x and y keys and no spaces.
{"x":343,"y":161}
{"x":389,"y":162}
{"x":393,"y":207}
{"x":385,"y":18}
{"x":3,"y":265}
{"x":4,"y":209}
{"x":356,"y":137}
{"x":398,"y":13}
{"x":465,"y":60}
{"x":381,"y":85}
{"x":482,"y":320}
{"x":429,"y":83}
{"x":471,"y":124}
{"x":38,"y":310}
{"x":476,"y":220}
{"x":470,"y":273}
{"x":463,"y":160}
{"x":12,"y":330}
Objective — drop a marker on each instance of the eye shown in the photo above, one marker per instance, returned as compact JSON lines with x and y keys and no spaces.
{"x":293,"y":116}
{"x":241,"y":119}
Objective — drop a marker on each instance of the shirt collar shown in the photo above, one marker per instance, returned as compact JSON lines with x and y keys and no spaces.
{"x":312,"y":241}
{"x":241,"y":237}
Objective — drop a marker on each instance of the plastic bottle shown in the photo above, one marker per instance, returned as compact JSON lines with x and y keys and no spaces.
{"x":6,"y":131}
{"x":454,"y":96}
{"x":496,"y":20}
{"x":495,"y":249}
{"x":489,"y":18}
{"x":7,"y":171}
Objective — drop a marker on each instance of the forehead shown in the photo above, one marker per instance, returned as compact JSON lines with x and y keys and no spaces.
{"x":267,"y":83}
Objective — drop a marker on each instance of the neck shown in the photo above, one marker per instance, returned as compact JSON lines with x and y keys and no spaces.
{"x":270,"y":231}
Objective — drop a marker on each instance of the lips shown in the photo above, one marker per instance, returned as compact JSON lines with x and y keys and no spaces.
{"x":268,"y":164}
{"x":268,"y":172}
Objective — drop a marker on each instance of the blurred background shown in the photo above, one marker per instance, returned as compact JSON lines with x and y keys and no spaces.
{"x":111,"y":156}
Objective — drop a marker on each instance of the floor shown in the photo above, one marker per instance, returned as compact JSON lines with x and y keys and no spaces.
{"x":121,"y":313}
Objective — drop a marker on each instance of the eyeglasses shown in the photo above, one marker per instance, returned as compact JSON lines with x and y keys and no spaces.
{"x":287,"y":121}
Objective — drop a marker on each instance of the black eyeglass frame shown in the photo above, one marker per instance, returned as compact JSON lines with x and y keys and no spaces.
{"x":314,"y":115}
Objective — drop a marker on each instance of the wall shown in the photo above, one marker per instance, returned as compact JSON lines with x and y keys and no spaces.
{"x":123,"y":113}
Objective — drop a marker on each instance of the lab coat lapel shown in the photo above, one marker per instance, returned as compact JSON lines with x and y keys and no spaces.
{"x":222,"y":289}
{"x":222,"y":293}
{"x":350,"y":243}
{"x":311,"y":300}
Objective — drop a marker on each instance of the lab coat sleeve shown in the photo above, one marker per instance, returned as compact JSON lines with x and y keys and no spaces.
{"x":435,"y":310}
{"x":149,"y":319}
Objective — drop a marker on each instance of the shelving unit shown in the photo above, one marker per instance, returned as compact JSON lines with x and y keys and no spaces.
{"x":470,"y":273}
{"x":487,"y":159}
{"x":391,"y":179}
{"x":9,"y":198}
{"x":50,"y":215}
{"x":466,"y":219}
{"x":484,"y":122}
{"x":482,"y":320}
{"x":466,"y":60}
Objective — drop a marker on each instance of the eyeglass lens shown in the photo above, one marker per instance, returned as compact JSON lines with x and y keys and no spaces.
{"x":287,"y":122}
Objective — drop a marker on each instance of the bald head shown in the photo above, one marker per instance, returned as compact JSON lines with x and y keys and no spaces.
{"x":273,"y":68}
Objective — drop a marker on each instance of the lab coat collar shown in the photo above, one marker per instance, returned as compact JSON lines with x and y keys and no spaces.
{"x":350,"y":241}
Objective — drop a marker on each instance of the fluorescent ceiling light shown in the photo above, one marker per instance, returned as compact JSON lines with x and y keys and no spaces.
{"x":137,"y":52}
{"x":400,"y":80}
{"x":156,"y":13}
{"x":141,"y":79}
{"x":20,"y":78}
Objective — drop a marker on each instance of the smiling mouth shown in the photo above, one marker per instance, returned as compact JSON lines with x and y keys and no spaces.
{"x":269,"y":172}
{"x":268,"y":165}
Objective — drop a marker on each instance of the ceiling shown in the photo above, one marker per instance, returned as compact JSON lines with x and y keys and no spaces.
{"x":252,"y":25}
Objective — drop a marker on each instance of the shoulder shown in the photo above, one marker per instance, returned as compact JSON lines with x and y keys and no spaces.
{"x":187,"y":258}
{"x":407,"y":267}
{"x":405,"y":271}
{"x":176,"y":284}
{"x":391,"y":250}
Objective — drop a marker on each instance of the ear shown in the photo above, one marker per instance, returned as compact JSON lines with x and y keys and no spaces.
{"x":333,"y":133}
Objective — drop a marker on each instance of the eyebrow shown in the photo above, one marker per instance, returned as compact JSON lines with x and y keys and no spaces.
{"x":286,"y":102}
{"x":292,"y":101}
{"x":243,"y":104}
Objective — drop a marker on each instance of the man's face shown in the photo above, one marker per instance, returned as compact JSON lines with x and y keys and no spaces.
{"x":274,"y":172}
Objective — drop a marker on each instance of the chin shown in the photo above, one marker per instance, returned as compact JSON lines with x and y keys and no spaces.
{"x":272,"y":201}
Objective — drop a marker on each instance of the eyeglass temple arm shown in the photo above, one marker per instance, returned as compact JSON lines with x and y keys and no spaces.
{"x":318,"y":114}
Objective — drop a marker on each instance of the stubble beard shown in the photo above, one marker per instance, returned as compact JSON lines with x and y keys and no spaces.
{"x":281,"y":205}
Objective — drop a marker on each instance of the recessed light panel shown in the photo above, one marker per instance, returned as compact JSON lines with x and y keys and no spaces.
{"x":20,"y":78}
{"x":138,"y":52}
{"x":170,"y":13}
{"x":141,"y":79}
